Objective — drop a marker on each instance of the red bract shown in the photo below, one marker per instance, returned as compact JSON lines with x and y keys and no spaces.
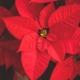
{"x":70,"y":67}
{"x":42,"y":1}
{"x":3,"y":13}
{"x":27,"y":9}
{"x":62,"y":71}
{"x":67,"y":71}
{"x":8,"y":56}
{"x":41,"y":40}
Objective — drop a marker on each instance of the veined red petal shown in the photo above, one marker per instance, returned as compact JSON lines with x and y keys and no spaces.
{"x":65,"y":21}
{"x":67,"y":14}
{"x":29,"y":42}
{"x":45,"y":14}
{"x":34,"y":63}
{"x":20,"y":26}
{"x":42,"y":1}
{"x":62,"y":71}
{"x":62,"y":31}
{"x":28,"y":9}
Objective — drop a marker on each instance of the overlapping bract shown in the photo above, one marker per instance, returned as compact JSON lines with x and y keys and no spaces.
{"x":3,"y":13}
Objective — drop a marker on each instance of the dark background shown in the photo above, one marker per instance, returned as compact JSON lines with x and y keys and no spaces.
{"x":9,"y":73}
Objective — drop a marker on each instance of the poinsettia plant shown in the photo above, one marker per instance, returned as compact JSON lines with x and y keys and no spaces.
{"x":42,"y":34}
{"x":42,"y":38}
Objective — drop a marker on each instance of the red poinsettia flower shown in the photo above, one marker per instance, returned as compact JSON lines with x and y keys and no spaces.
{"x":67,"y":71}
{"x":72,"y":1}
{"x":3,"y":13}
{"x":42,"y":1}
{"x":41,"y":40}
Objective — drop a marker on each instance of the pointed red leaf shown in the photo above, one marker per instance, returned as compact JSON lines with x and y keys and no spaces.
{"x":66,"y":14}
{"x":29,"y":42}
{"x":64,"y":21}
{"x":43,"y":1}
{"x":45,"y":13}
{"x":27,"y":9}
{"x":3,"y":13}
{"x":20,"y":26}
{"x":35,"y":63}
{"x":62,"y":71}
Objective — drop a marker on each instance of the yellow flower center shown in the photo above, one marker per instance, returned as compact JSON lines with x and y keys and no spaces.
{"x":76,"y":57}
{"x":43,"y":33}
